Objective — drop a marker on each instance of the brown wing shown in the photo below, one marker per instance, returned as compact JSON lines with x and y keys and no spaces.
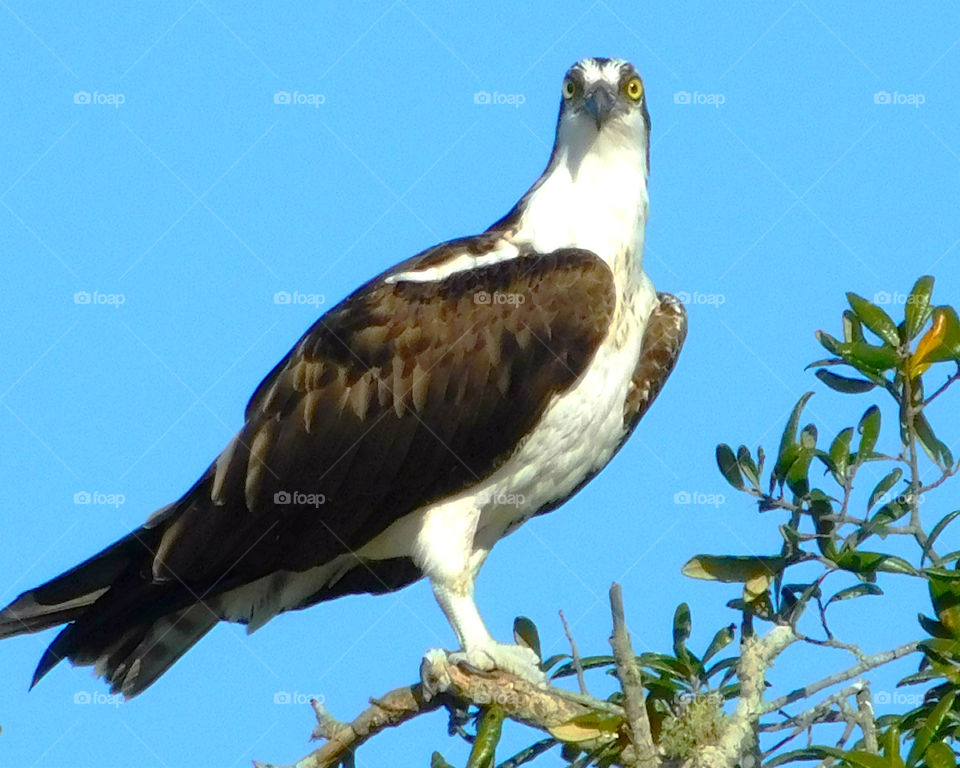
{"x":662,"y":339}
{"x":404,"y":393}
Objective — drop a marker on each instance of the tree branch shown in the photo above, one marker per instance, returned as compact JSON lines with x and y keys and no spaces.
{"x":739,"y":738}
{"x":868,"y":663}
{"x":634,"y":699}
{"x":446,"y":685}
{"x":575,"y":656}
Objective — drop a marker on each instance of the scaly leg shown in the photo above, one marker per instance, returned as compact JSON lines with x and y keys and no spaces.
{"x":478,"y":648}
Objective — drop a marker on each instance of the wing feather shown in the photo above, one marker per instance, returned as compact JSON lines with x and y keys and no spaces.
{"x":404,"y":393}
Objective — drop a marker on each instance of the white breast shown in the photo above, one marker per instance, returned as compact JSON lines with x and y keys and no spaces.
{"x":579,"y":431}
{"x":577,"y":435}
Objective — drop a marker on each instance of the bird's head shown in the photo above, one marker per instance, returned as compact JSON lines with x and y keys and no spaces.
{"x":603,"y":98}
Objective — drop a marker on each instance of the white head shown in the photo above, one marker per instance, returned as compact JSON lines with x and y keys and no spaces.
{"x":604,"y":108}
{"x":593,"y":193}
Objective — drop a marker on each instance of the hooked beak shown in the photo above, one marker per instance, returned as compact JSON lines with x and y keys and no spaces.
{"x":599,"y":103}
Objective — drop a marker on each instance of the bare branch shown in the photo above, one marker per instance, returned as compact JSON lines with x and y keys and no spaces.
{"x":868,"y":663}
{"x":950,"y":379}
{"x":638,"y":726}
{"x":394,"y":708}
{"x":577,"y":664}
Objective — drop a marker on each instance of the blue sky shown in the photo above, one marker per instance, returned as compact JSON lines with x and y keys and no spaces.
{"x":799,"y":150}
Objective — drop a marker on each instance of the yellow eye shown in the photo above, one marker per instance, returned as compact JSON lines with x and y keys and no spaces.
{"x":569,"y":88}
{"x":633,"y":88}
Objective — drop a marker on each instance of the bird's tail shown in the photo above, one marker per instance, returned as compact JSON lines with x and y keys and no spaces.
{"x":129,"y":629}
{"x":68,"y":596}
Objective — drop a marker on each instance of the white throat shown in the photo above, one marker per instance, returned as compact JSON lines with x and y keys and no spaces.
{"x":592,"y":196}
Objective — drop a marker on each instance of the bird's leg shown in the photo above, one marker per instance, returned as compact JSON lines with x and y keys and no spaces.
{"x":478,"y":648}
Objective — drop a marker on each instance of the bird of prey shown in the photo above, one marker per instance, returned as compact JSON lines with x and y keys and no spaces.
{"x":420,"y":420}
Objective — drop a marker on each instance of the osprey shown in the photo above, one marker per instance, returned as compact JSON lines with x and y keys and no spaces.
{"x":419,"y":421}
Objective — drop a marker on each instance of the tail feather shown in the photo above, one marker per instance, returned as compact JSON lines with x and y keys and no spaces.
{"x":134,"y":659}
{"x":129,"y":627}
{"x":130,"y":670}
{"x":67,"y":596}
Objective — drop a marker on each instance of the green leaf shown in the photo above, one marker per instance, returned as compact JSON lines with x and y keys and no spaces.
{"x":937,"y":530}
{"x":796,"y":476}
{"x":934,"y":448}
{"x":747,"y":466}
{"x":591,"y":726}
{"x":939,"y":755}
{"x":883,"y":486}
{"x":868,"y":358}
{"x":822,"y":511}
{"x":887,"y":514}
{"x":844,"y":384}
{"x":829,"y":343}
{"x":489,"y":730}
{"x":890,"y":743}
{"x":808,"y":753}
{"x":918,"y":309}
{"x":942,"y":655}
{"x":852,"y":592}
{"x":852,"y":328}
{"x":525,"y":633}
{"x":840,"y":453}
{"x":587,"y":662}
{"x":919,"y":678}
{"x":868,"y":563}
{"x":875,"y":319}
{"x":934,"y":628}
{"x":732,"y":569}
{"x":924,"y":736}
{"x":789,"y":446}
{"x":681,"y":628}
{"x":437,"y":761}
{"x":860,"y":759}
{"x":721,"y":640}
{"x":869,"y":429}
{"x":729,"y":467}
{"x":547,"y":664}
{"x":728,"y":663}
{"x":944,"y":589}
